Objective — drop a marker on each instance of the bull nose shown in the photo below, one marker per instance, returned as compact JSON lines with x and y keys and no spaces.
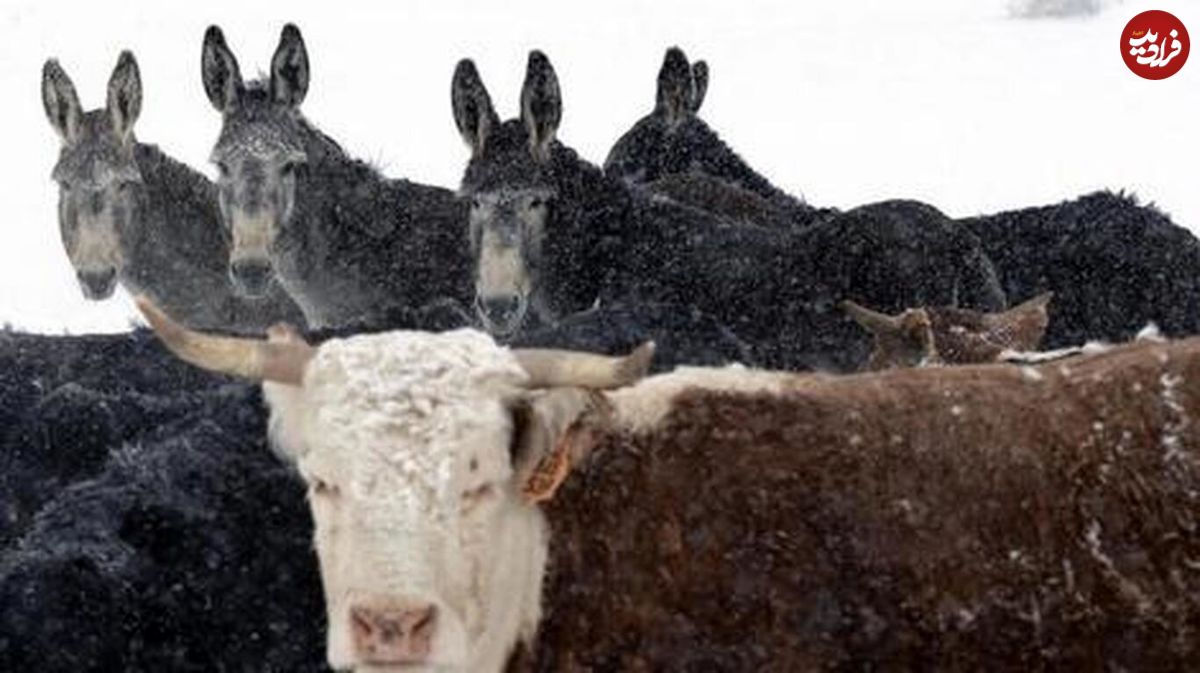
{"x":503,"y":313}
{"x":250,"y":277}
{"x":394,"y":634}
{"x":97,"y":284}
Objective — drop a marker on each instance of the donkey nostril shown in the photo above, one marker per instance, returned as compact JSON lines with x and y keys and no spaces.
{"x":97,"y":284}
{"x":251,"y":276}
{"x":502,"y":307}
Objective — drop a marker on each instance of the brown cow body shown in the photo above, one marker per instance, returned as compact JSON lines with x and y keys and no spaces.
{"x":972,"y":518}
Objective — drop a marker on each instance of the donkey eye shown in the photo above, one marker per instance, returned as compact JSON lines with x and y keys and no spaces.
{"x":321,"y":487}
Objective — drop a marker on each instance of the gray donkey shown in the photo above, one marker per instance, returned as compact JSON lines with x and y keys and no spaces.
{"x":350,"y":246}
{"x":130,"y":214}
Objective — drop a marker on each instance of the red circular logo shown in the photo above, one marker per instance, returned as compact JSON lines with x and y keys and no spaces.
{"x":1155,"y":44}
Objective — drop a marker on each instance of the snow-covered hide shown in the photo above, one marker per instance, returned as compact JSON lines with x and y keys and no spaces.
{"x":1113,"y":265}
{"x":67,"y":402}
{"x":970,"y":518}
{"x":153,"y":530}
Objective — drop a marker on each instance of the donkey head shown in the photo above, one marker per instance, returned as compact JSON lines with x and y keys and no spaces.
{"x":259,"y":152}
{"x":99,"y":184}
{"x":666,"y":141}
{"x":511,"y":187}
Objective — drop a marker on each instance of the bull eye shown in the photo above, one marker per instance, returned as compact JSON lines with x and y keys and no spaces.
{"x":289,"y":168}
{"x":222,"y":169}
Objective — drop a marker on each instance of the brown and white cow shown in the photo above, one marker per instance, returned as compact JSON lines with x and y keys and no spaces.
{"x":950,"y":335}
{"x":956,"y":518}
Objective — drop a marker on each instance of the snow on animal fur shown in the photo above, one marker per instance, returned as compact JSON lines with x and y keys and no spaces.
{"x":413,"y":446}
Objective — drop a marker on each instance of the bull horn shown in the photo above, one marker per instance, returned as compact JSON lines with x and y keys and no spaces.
{"x":549,"y":368}
{"x":281,"y":360}
{"x":873,"y":321}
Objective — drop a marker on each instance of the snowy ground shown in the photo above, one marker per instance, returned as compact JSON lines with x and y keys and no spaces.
{"x":948,"y":101}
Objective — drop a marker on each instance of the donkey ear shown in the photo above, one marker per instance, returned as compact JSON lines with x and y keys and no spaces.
{"x":555,"y":429}
{"x":125,"y":94}
{"x":541,"y":104}
{"x":289,"y":68}
{"x":473,"y":112}
{"x":219,"y":70}
{"x":60,"y":101}
{"x":700,"y":82}
{"x":675,"y":87}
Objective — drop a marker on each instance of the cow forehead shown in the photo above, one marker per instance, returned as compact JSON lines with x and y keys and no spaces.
{"x":405,"y":403}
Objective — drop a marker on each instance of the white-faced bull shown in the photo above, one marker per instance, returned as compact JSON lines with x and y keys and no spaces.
{"x":348,"y":244}
{"x":967,"y":517}
{"x":443,"y":459}
{"x":130,"y":214}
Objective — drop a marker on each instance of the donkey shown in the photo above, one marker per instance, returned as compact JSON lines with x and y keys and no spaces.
{"x":552,"y":234}
{"x":672,"y":141}
{"x":132,"y":215}
{"x":348,"y":244}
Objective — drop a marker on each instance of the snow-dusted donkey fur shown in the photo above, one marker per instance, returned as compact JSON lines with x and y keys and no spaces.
{"x":674,"y":140}
{"x":130,"y":214}
{"x":348,"y":244}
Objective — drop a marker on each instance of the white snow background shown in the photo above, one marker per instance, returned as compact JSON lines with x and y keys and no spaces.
{"x":952,"y":102}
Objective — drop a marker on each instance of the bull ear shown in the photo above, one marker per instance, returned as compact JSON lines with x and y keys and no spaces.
{"x":473,"y":112}
{"x":700,"y":84}
{"x":555,"y":429}
{"x":289,"y":68}
{"x":1024,"y":324}
{"x":541,"y":104}
{"x":125,"y":94}
{"x":675,"y":87}
{"x":61,"y":102}
{"x":219,"y":70}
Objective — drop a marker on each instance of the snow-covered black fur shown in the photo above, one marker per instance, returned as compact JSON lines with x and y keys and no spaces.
{"x":347,"y":243}
{"x":164,"y":214}
{"x":147,"y":527}
{"x":776,"y":288}
{"x":1114,"y":266}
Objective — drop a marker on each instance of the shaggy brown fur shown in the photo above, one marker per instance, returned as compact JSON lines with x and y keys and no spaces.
{"x":952,"y":519}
